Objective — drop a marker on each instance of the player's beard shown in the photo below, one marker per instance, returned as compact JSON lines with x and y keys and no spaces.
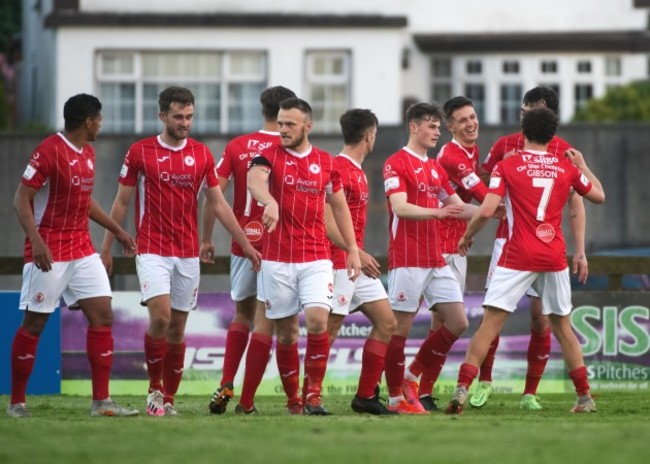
{"x":178,"y":134}
{"x":296,"y":142}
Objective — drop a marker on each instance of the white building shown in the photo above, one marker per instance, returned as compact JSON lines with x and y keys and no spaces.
{"x":377,"y":54}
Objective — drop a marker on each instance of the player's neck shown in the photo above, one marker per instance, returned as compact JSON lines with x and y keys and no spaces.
{"x":270,"y":126}
{"x":533,"y":146}
{"x":76,"y":138}
{"x":355,"y":152}
{"x":417,"y":149}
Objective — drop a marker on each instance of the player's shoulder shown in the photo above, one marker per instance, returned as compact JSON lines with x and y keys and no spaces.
{"x":145,"y":143}
{"x":558,"y":145}
{"x":47,"y":145}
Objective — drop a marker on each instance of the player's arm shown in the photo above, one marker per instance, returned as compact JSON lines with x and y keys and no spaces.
{"x":479,"y":219}
{"x":468,"y":209}
{"x":207,"y":226}
{"x":258,"y":186}
{"x":222,"y":211}
{"x":596,"y":194}
{"x":98,"y":215}
{"x":118,"y":213}
{"x":41,"y":254}
{"x":405,"y":210}
{"x":577,"y":223}
{"x":343,"y":220}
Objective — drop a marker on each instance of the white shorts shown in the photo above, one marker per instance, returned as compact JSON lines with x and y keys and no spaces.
{"x":406,"y":285}
{"x":243,"y":281}
{"x":349,"y":295}
{"x":287,"y":288}
{"x":497,"y":249}
{"x":167,"y":275}
{"x":508,"y":286}
{"x":74,"y":280}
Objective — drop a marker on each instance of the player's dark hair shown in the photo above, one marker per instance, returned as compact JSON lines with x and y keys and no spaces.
{"x":78,"y":108}
{"x":297,"y":103}
{"x":355,"y":123}
{"x":454,"y":104}
{"x":545,"y":95}
{"x":419,"y":112}
{"x":270,"y":100}
{"x":539,"y":125}
{"x":174,"y":94}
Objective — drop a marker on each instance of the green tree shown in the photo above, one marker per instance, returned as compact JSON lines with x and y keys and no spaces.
{"x":10,"y":22}
{"x":622,"y":103}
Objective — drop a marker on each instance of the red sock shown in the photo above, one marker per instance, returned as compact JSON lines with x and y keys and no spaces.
{"x":486,"y":368}
{"x":427,"y":378}
{"x":316,"y":356}
{"x":23,"y":355}
{"x":372,"y":363}
{"x":257,"y":358}
{"x":579,"y":377}
{"x":236,"y":342}
{"x":395,"y":365}
{"x":288,"y":368}
{"x":173,"y":364}
{"x":539,"y":350}
{"x":154,"y":352}
{"x":466,"y":375}
{"x":433,"y":353}
{"x":99,"y":347}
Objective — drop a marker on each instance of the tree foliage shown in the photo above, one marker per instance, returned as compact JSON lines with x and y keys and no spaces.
{"x":622,"y":103}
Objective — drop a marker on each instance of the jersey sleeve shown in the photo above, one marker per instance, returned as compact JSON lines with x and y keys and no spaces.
{"x":495,"y":155}
{"x":461,"y":173}
{"x":394,"y":181}
{"x":447,"y":190}
{"x":335,"y":184}
{"x":580,"y":182}
{"x":131,"y":168}
{"x":37,"y":171}
{"x":225,"y":164}
{"x":497,"y":181}
{"x":211,"y":174}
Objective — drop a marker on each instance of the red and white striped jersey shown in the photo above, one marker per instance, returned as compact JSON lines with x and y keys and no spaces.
{"x":414,"y":243}
{"x":299,"y":183}
{"x":461,"y":165}
{"x":168,"y":181}
{"x":504,"y":145}
{"x":64,"y":176}
{"x":355,"y":187}
{"x":233,"y":166}
{"x":535,"y":186}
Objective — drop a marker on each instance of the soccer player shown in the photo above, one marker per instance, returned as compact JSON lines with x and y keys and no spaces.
{"x":249,"y":312}
{"x":459,"y":158}
{"x":169,"y":171}
{"x":54,"y":203}
{"x":415,"y":185}
{"x":367,"y":293}
{"x":291,"y":182}
{"x":535,"y":185}
{"x":539,"y":347}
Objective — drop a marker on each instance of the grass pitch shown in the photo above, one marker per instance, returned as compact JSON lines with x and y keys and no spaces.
{"x":61,"y":431}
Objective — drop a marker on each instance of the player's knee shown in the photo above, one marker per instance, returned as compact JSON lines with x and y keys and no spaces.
{"x":539,"y":323}
{"x":387,"y":326}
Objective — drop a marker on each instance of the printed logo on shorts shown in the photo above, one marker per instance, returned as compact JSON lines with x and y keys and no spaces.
{"x":401,"y":296}
{"x":342,"y":300}
{"x":145,"y":286}
{"x":545,"y":232}
{"x":39,"y":297}
{"x":330,"y":287}
{"x":189,"y":161}
{"x":267,"y":304}
{"x":314,"y":168}
{"x":254,"y":231}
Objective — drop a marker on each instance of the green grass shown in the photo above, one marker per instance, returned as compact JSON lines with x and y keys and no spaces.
{"x":61,"y":431}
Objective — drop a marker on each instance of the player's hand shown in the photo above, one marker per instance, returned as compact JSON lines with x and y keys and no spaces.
{"x":500,"y":212}
{"x":450,"y":211}
{"x":128,"y":243}
{"x":369,"y":265}
{"x":576,"y":158}
{"x":353,"y":263}
{"x":41,"y":255}
{"x":207,"y":252}
{"x":254,"y":256}
{"x":271,"y":216}
{"x":580,"y":267}
{"x":509,"y":154}
{"x":107,"y":261}
{"x":464,"y":244}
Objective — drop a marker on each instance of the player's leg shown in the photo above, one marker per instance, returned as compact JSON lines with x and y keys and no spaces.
{"x":429,"y":375}
{"x":286,"y":330}
{"x":539,"y":351}
{"x":257,"y":358}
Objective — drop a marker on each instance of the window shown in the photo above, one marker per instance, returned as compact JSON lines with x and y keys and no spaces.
{"x":441,"y":85}
{"x":441,"y":92}
{"x":441,"y":67}
{"x":476,"y":93}
{"x":511,"y":67}
{"x":510,"y":103}
{"x":583,"y":93}
{"x":474,"y":67}
{"x":584,"y":67}
{"x":328,"y":87}
{"x":613,"y":66}
{"x":226,"y":87}
{"x":549,"y":67}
